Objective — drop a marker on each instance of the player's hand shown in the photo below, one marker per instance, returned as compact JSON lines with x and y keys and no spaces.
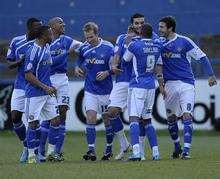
{"x":212,"y":80}
{"x":50,"y":90}
{"x":102,"y":75}
{"x":72,"y":51}
{"x":116,"y":70}
{"x":79,"y":72}
{"x":15,"y":64}
{"x":163,"y":91}
{"x":128,"y":38}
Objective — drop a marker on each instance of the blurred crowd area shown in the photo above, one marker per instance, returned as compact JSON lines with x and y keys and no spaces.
{"x":198,"y":19}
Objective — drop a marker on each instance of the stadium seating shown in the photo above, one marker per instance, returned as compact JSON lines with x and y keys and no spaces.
{"x":112,"y":15}
{"x":193,"y":18}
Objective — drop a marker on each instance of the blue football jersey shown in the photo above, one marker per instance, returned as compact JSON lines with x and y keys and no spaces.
{"x":155,"y":36}
{"x":176,"y":56}
{"x":38,"y":61}
{"x":144,"y":54}
{"x":59,"y":53}
{"x":94,"y":60}
{"x":120,"y":48}
{"x":17,"y":50}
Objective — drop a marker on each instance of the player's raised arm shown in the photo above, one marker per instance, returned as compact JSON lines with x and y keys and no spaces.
{"x":208,"y":69}
{"x":160,"y":79}
{"x":11,"y":57}
{"x":196,"y":53}
{"x":15,"y":64}
{"x":115,"y":64}
{"x":117,"y":55}
{"x":127,"y":57}
{"x":78,"y":70}
{"x":74,"y":47}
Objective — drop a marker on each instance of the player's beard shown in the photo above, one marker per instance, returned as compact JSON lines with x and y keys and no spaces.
{"x":136,"y":31}
{"x":163,"y":34}
{"x":49,"y":40}
{"x":63,"y":30}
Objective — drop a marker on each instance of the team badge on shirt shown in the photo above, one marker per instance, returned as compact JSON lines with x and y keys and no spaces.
{"x":29,"y":66}
{"x":179,"y":49}
{"x":31,"y":117}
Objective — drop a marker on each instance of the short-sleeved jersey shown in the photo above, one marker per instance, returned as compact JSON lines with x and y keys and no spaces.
{"x":144,"y":53}
{"x":176,"y":56}
{"x":17,"y":50}
{"x":94,"y":60}
{"x":38,"y":61}
{"x":59,"y":53}
{"x":120,"y":48}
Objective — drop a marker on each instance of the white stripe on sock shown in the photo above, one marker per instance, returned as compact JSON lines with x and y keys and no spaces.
{"x":136,"y":149}
{"x":188,"y":145}
{"x":177,"y":140}
{"x":31,"y":152}
{"x":91,"y":145}
{"x":122,"y":140}
{"x":51,"y":149}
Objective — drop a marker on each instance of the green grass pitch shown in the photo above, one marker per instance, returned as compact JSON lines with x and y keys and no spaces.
{"x":205,"y":161}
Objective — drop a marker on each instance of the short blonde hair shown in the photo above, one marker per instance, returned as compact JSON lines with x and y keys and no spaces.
{"x":91,"y":26}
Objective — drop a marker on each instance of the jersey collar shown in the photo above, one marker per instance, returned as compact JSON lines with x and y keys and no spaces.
{"x":145,"y":39}
{"x":171,"y":40}
{"x":100,"y":43}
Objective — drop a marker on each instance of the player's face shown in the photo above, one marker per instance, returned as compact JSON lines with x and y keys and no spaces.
{"x":137,"y":23}
{"x":163,"y":30}
{"x":90,"y":36}
{"x":33,"y":31}
{"x":35,"y":25}
{"x":59,"y":26}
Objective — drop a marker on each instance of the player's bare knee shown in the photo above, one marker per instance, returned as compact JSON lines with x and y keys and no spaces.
{"x":55,"y":121}
{"x":34,"y":124}
{"x":16,"y":116}
{"x":133,"y":119}
{"x":113,"y":111}
{"x":91,"y":117}
{"x":106,"y":118}
{"x":172,"y":118}
{"x":105,"y":115}
{"x":63,"y":109}
{"x":106,"y":122}
{"x":91,"y":121}
{"x":187,"y":115}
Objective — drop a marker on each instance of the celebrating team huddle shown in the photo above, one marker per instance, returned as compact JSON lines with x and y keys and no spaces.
{"x":139,"y":58}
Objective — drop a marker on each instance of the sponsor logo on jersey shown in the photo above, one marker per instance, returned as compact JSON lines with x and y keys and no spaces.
{"x":57,"y":52}
{"x":31,"y":117}
{"x":47,"y":62}
{"x":21,"y":56}
{"x":179,"y":49}
{"x":95,"y":61}
{"x":171,"y":55}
